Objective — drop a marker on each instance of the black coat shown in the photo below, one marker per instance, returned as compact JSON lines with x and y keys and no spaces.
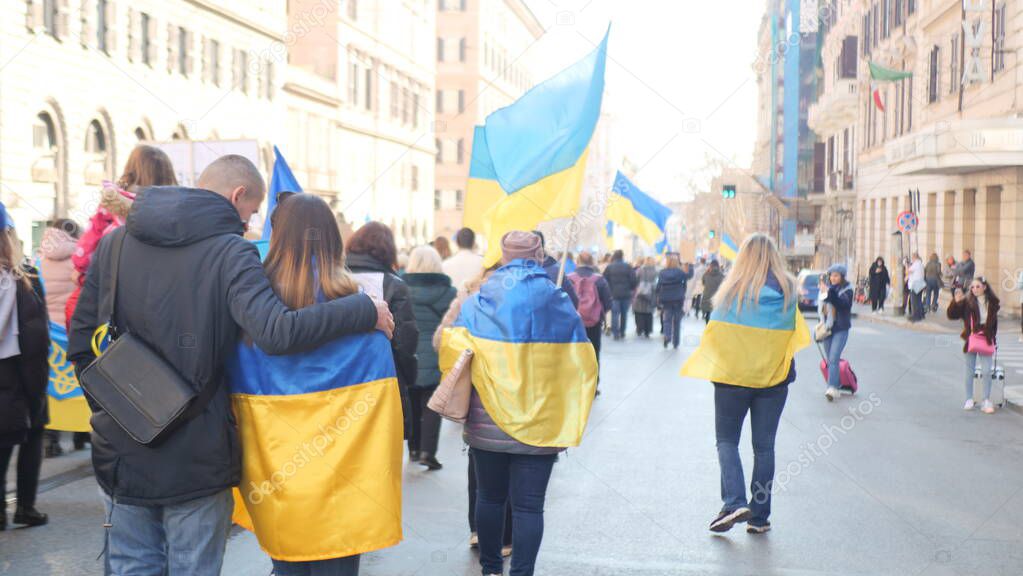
{"x":189,"y":285}
{"x":23,"y":378}
{"x":879,"y":280}
{"x":671,"y":286}
{"x":431,"y":296}
{"x":621,"y":278}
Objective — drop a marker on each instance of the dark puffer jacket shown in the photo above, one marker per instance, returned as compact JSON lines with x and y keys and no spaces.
{"x":671,"y":286}
{"x":24,"y":377}
{"x":431,"y":296}
{"x":621,"y":278}
{"x":189,"y":285}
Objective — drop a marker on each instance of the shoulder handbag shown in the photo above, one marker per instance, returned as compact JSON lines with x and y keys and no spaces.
{"x":451,"y":398}
{"x":143,"y":393}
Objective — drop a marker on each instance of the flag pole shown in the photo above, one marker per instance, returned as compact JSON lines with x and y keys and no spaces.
{"x":564,"y":253}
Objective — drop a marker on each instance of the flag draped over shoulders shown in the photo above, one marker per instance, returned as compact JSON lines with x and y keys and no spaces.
{"x":321,"y":436}
{"x":752,"y":348}
{"x":534,"y":368}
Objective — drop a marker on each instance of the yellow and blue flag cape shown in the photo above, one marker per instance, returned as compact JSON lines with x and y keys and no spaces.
{"x":637,"y":211}
{"x":534,"y":368}
{"x":69,"y":410}
{"x":728,"y":249}
{"x":529,"y":159}
{"x":321,"y":435}
{"x":752,"y":348}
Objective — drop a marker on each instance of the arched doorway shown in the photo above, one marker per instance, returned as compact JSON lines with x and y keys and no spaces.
{"x":49,"y":158}
{"x":99,"y":161}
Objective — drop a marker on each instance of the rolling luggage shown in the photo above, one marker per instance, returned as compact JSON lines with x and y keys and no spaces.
{"x":997,"y":382}
{"x":846,"y":376}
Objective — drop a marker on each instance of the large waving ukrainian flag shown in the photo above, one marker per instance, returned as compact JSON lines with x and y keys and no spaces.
{"x":637,"y":211}
{"x":529,"y":158}
{"x":534,"y":368}
{"x":753,"y":347}
{"x":321,"y":436}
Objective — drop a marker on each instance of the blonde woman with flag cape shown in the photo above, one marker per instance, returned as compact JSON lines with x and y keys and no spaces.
{"x":321,"y":431}
{"x":747,"y":351}
{"x":534,"y":374}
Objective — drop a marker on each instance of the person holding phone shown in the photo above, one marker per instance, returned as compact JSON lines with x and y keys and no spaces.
{"x":979,"y":312}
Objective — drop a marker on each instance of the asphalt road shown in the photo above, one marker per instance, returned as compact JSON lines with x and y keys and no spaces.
{"x":897,"y":480}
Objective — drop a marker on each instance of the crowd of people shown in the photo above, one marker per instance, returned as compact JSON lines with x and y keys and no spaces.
{"x":203,"y":301}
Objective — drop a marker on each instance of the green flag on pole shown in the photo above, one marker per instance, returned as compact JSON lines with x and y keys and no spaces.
{"x":879,"y":73}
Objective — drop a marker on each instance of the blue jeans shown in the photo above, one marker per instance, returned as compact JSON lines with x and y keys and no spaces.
{"x":175,"y":540}
{"x":931,"y":293}
{"x":971,"y":366}
{"x":672,"y":322}
{"x":619,"y":316}
{"x":764,"y":406}
{"x":347,"y":566}
{"x":833,"y":347}
{"x":522,"y":479}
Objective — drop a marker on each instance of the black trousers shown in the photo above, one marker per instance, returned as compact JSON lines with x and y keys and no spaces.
{"x":30,"y":463}
{"x":644,"y":323}
{"x":472,"y":499}
{"x":425,"y":422}
{"x":877,"y":302}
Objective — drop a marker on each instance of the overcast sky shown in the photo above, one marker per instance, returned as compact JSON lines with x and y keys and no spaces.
{"x":679,"y":78}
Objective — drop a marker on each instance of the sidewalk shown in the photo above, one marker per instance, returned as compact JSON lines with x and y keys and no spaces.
{"x":935,"y":322}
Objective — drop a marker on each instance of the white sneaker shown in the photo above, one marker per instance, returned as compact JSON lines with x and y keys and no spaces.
{"x":987,"y":407}
{"x":833,"y":394}
{"x":969,"y":404}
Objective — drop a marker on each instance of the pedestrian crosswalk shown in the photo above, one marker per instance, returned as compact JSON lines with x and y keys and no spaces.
{"x":1010,"y":355}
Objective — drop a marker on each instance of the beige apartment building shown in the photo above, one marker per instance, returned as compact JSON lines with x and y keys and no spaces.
{"x":482,"y":64}
{"x":359,"y":117}
{"x":82,"y":82}
{"x":953,"y":132}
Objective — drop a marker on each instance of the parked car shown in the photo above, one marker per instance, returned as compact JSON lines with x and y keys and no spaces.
{"x":808,"y":282}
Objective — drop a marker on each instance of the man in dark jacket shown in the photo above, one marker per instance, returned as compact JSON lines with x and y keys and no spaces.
{"x":586,"y":269}
{"x":190,"y":286}
{"x":622,"y":280}
{"x":553,"y":268}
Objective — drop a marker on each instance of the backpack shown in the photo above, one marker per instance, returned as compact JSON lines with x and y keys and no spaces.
{"x":590,"y":308}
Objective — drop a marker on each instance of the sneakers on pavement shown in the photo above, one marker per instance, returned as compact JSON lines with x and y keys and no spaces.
{"x":726,"y":519}
{"x":832,"y":394}
{"x":758,"y":529}
{"x":987,"y":407}
{"x":969,"y":404}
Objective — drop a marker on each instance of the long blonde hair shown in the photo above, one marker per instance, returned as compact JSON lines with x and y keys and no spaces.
{"x":756,"y":258}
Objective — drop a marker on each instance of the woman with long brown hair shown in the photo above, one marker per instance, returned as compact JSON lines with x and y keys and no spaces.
{"x":24,"y":374}
{"x":979,"y":312}
{"x":306,"y":265}
{"x":146,"y":166}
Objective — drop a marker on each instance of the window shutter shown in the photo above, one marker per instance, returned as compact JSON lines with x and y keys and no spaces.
{"x":189,"y":52}
{"x":269,"y":80}
{"x":112,"y":30}
{"x":33,"y":14}
{"x":152,"y":41}
{"x":172,"y":48}
{"x":63,"y":18}
{"x":206,"y":76}
{"x":87,"y":11}
{"x":133,"y":35}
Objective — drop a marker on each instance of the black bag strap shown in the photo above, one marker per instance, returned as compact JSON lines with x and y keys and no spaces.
{"x":110,"y":303}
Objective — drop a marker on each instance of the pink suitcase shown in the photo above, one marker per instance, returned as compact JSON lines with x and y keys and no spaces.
{"x":846,"y":376}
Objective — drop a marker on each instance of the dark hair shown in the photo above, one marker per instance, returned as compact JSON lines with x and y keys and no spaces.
{"x":879,"y":259}
{"x":543,"y":241}
{"x":618,"y":256}
{"x":988,"y":291}
{"x":465,"y":238}
{"x":306,"y":245}
{"x":442,"y":246}
{"x":377,"y":241}
{"x":68,"y":226}
{"x":147,"y":166}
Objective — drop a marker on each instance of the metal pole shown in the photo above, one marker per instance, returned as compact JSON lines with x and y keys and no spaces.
{"x":564,"y":254}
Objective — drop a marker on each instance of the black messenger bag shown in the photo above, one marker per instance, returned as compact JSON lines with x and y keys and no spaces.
{"x":143,"y":393}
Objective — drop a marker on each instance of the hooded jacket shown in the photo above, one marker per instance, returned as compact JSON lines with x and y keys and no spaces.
{"x":621,"y":278}
{"x":56,"y":269}
{"x":431,"y":296}
{"x":189,"y":285}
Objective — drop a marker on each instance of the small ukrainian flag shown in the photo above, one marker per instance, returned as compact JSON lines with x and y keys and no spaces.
{"x":637,"y":211}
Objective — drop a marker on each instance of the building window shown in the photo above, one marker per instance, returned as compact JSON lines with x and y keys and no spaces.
{"x":95,"y":140}
{"x":146,"y":39}
{"x":394,"y":100}
{"x":439,"y":158}
{"x":50,"y":16}
{"x":369,"y":89}
{"x":102,"y":25}
{"x":241,"y":70}
{"x":953,"y":65}
{"x":214,"y":62}
{"x":459,"y":199}
{"x":461,"y":101}
{"x":998,"y":48}
{"x":911,"y":6}
{"x":353,"y":84}
{"x":460,"y":154}
{"x":268,"y":80}
{"x":886,"y":9}
{"x":461,"y":49}
{"x":440,"y":101}
{"x":414,"y":177}
{"x":183,"y":51}
{"x":44,"y":134}
{"x":934,"y":78}
{"x":140,"y":134}
{"x":897,"y":15}
{"x":440,"y":49}
{"x":415,"y":110}
{"x":438,"y":199}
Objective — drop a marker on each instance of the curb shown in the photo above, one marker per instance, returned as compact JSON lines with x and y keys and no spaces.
{"x":922,"y":326}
